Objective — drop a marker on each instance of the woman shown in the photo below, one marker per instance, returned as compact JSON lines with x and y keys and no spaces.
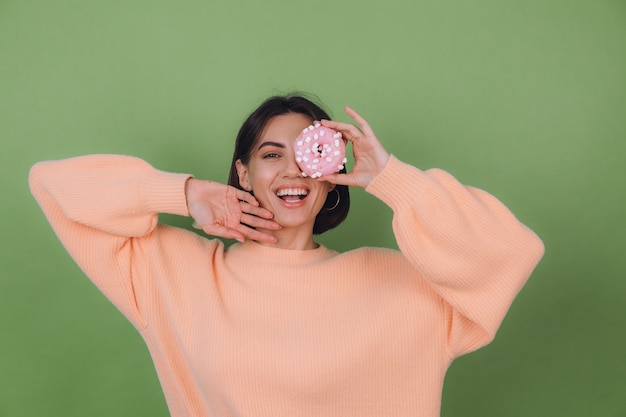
{"x":276,"y":324}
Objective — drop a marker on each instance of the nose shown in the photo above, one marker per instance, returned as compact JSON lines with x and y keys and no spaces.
{"x":291,"y":167}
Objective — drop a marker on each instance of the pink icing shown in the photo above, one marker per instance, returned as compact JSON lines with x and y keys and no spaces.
{"x":319,"y":151}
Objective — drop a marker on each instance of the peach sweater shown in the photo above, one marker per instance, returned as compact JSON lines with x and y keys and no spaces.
{"x":257,"y":331}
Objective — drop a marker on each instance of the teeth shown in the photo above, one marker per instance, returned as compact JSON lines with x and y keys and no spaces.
{"x":291,"y":191}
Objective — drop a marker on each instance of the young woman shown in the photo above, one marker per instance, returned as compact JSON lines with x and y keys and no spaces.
{"x":276,"y":324}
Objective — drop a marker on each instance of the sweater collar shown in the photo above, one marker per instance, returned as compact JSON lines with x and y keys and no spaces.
{"x":268,"y":254}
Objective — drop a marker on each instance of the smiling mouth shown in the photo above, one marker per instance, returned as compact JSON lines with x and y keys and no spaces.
{"x":292,"y":194}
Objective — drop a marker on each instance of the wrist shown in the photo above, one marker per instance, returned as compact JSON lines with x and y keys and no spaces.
{"x":191,"y":190}
{"x":380,"y":162}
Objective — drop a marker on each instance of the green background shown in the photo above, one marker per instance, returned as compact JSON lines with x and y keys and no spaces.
{"x":526,"y":99}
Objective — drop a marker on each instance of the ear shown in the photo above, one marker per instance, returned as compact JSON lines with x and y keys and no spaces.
{"x":242,"y":172}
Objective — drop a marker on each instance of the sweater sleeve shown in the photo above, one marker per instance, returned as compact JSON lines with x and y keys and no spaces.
{"x":465,"y":243}
{"x":104,"y":209}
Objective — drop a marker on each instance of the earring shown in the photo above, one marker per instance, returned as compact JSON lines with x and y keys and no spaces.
{"x":336,"y":202}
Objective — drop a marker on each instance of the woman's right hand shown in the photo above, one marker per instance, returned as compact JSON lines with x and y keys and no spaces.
{"x":225,"y":211}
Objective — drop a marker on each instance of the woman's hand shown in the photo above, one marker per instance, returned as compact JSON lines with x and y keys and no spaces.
{"x":370,"y":157}
{"x":225,"y":211}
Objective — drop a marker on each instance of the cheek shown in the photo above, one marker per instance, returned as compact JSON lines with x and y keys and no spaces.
{"x":322,"y":194}
{"x":260,"y":180}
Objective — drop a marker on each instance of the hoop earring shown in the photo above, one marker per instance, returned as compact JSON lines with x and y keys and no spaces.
{"x":336,"y":202}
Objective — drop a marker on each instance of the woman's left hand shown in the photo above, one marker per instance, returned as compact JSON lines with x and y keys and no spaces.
{"x":370,"y":157}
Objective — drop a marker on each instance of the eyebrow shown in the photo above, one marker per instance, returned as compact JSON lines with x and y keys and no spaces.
{"x":276,"y":144}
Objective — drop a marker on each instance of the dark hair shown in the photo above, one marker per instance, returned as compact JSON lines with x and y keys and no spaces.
{"x":332,"y":213}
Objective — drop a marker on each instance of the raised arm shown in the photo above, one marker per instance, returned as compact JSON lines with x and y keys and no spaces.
{"x":463,"y":241}
{"x":104,"y":209}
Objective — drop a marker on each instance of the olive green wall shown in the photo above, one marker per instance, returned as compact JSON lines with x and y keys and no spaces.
{"x":526,"y":99}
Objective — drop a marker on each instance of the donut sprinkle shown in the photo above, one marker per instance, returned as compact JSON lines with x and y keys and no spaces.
{"x":327,"y":150}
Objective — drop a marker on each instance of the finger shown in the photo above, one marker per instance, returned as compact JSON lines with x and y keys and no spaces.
{"x":225,"y":232}
{"x":334,"y":124}
{"x":339,"y":179}
{"x":347,"y":130}
{"x":247,"y":197}
{"x":363,"y":124}
{"x":254,"y":221}
{"x":256,"y":211}
{"x":257,"y":235}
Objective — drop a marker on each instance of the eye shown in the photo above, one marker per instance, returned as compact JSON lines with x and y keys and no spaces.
{"x":270,"y":155}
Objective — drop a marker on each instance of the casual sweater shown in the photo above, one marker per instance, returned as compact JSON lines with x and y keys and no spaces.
{"x":253,"y":331}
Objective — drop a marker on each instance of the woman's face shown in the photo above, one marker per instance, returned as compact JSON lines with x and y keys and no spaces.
{"x":274,"y":177}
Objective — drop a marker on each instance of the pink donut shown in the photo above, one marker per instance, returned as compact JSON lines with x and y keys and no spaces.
{"x":319,"y":151}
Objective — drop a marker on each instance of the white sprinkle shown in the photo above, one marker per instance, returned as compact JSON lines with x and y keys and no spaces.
{"x":304,"y":130}
{"x":304,"y":175}
{"x":308,"y":139}
{"x":337,"y":135}
{"x":336,"y":153}
{"x":314,"y":166}
{"x":300,"y":143}
{"x":298,"y":159}
{"x":305,"y":159}
{"x":339,"y":167}
{"x":316,"y":136}
{"x":329,"y":159}
{"x":311,"y":128}
{"x":345,"y":160}
{"x":317,"y":125}
{"x":322,"y":132}
{"x":307,"y":150}
{"x":315,"y":161}
{"x":337,"y":143}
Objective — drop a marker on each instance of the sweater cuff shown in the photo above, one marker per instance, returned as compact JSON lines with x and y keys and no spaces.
{"x":397,"y":184}
{"x":164,"y":192}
